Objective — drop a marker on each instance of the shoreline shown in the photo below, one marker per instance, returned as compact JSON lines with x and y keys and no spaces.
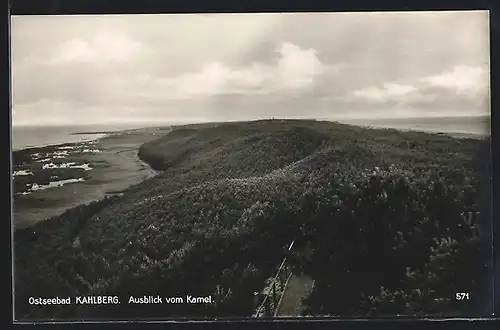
{"x":217,"y":185}
{"x":98,"y":132}
{"x":92,"y":136}
{"x":112,"y":166}
{"x":49,"y":145}
{"x":99,"y":135}
{"x":115,"y":169}
{"x":457,"y":135}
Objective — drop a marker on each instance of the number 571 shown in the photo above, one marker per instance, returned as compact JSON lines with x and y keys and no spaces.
{"x":462,"y":296}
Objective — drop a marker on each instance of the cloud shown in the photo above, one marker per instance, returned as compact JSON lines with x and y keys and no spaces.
{"x":120,"y":91}
{"x":295,"y":68}
{"x":465,"y":80}
{"x":390,"y":93}
{"x":217,"y":78}
{"x":460,"y":85}
{"x":247,"y":65}
{"x":103,"y":47}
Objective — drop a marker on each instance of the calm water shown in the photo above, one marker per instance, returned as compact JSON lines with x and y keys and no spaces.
{"x":36,"y":136}
{"x":479,"y":125}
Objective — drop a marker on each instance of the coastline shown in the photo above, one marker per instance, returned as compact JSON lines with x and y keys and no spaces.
{"x":66,"y":175}
{"x":92,"y":136}
{"x":95,"y":137}
{"x":215,"y":181}
{"x":456,"y":135}
{"x":115,"y":167}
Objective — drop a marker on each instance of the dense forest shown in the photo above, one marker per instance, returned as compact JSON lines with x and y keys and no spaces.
{"x":386,"y":222}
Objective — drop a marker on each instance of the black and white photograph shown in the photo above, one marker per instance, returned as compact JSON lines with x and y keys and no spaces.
{"x":251,"y":166}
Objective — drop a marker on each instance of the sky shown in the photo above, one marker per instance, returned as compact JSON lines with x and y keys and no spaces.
{"x":216,"y":67}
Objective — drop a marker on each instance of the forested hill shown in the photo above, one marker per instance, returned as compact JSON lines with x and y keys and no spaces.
{"x":381,"y":217}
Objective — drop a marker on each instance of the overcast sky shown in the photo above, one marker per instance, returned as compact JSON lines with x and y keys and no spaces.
{"x":123,"y":68}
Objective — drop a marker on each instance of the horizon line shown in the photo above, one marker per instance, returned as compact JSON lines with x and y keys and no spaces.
{"x":194,"y":121}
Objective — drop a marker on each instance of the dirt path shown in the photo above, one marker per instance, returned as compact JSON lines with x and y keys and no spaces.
{"x":297,"y":288}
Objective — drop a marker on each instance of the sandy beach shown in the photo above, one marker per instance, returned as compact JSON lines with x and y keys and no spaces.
{"x":79,"y":173}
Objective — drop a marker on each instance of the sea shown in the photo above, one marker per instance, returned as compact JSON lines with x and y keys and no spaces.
{"x":474,"y":125}
{"x":37,"y":136}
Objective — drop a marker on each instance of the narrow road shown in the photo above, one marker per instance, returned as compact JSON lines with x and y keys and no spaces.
{"x":297,"y":288}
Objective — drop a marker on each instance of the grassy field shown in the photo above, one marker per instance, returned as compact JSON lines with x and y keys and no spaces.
{"x":381,"y":219}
